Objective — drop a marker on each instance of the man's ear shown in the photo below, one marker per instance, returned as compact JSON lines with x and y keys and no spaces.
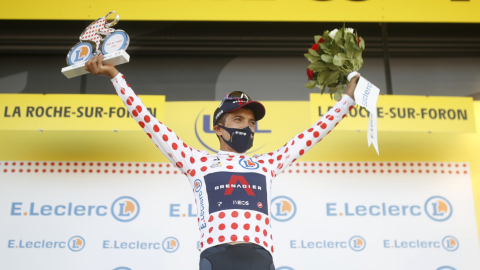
{"x":218,"y":130}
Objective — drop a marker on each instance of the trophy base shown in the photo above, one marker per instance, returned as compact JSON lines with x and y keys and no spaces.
{"x":115,"y":59}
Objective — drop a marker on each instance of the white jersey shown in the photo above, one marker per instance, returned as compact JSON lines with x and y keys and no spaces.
{"x":232,"y":191}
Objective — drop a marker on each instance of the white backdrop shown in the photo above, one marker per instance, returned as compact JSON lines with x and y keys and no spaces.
{"x":140,"y":216}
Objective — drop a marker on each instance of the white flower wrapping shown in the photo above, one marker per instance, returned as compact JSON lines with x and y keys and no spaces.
{"x":333,"y":33}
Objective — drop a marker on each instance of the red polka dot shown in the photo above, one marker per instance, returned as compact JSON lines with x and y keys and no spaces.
{"x":310,"y":129}
{"x":234,"y":226}
{"x":149,"y":135}
{"x":175,"y":146}
{"x":146,"y":118}
{"x":272,"y":249}
{"x":233,"y":238}
{"x":257,"y":240}
{"x":156,"y":128}
{"x":210,"y":230}
{"x":246,"y":226}
{"x":229,"y":167}
{"x":257,"y":229}
{"x":350,"y":108}
{"x":203,"y":159}
{"x":139,"y":108}
{"x":309,"y":143}
{"x":267,"y":221}
{"x":265,"y":232}
{"x":141,"y":124}
{"x":271,"y":161}
{"x":192,"y":160}
{"x":265,"y":244}
{"x":221,"y":215}
{"x":247,"y":214}
{"x":210,"y":240}
{"x":302,"y":152}
{"x":165,"y":137}
{"x":221,"y":238}
{"x":316,"y":134}
{"x":185,"y":145}
{"x":300,"y":136}
{"x":221,"y":227}
{"x":192,"y":173}
{"x":259,"y":217}
{"x":135,"y":113}
{"x":203,"y":169}
{"x":179,"y":164}
{"x":234,"y":214}
{"x":264,"y":169}
{"x":246,"y":238}
{"x":210,"y":219}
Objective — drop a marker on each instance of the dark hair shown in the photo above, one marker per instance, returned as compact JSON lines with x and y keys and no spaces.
{"x":222,"y":121}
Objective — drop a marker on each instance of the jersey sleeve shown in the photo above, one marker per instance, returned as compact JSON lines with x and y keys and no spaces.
{"x":177,"y":152}
{"x":280,"y":159}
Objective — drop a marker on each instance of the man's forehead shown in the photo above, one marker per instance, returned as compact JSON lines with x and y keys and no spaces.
{"x":243,"y":113}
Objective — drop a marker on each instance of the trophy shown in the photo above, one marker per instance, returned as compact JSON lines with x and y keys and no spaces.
{"x":98,"y":37}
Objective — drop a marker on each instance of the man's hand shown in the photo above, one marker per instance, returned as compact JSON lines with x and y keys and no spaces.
{"x":352,"y":85}
{"x":96,"y":67}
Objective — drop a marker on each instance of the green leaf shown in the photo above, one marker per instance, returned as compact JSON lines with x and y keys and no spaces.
{"x":313,"y":52}
{"x":317,"y":66}
{"x":337,"y":96}
{"x":332,"y":66}
{"x":340,"y":33}
{"x":335,"y":49}
{"x":322,"y":76}
{"x":323,"y":88}
{"x":349,"y":49}
{"x":326,"y":37}
{"x":310,"y":85}
{"x":317,"y":39}
{"x":327,"y":58}
{"x":339,"y":59}
{"x":311,"y":57}
{"x":362,"y":44}
{"x":325,"y":47}
{"x":332,"y":77}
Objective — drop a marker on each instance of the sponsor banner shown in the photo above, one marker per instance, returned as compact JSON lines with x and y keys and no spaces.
{"x":71,"y":112}
{"x":405,"y":113}
{"x":447,"y":11}
{"x":118,"y":215}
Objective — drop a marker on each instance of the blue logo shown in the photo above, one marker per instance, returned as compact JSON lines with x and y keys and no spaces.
{"x":125,"y":209}
{"x":283,"y":208}
{"x":170,"y":244}
{"x":438,"y":208}
{"x":249,"y":164}
{"x":122,"y":268}
{"x":285,"y":268}
{"x":446,"y":268}
{"x":357,"y":243}
{"x":450,"y":243}
{"x":76,"y":243}
{"x":80,"y":53}
{"x":198,"y":185}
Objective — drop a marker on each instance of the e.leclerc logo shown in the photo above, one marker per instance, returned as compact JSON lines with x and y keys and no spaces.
{"x":449,"y":243}
{"x":198,"y":185}
{"x":123,"y":209}
{"x":356,"y":243}
{"x":436,"y":208}
{"x":446,"y":268}
{"x":170,"y":244}
{"x":248,"y":163}
{"x":75,"y":244}
{"x":283,"y":208}
{"x":122,"y":268}
{"x":285,"y":268}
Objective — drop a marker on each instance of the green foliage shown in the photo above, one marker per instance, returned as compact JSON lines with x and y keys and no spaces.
{"x":335,"y":58}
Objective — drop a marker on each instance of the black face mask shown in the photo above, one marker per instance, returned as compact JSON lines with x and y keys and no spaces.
{"x":240,"y":140}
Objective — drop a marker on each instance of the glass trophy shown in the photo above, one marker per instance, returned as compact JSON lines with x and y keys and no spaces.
{"x":98,"y":37}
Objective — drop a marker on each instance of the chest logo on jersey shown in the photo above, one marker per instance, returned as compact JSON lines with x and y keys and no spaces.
{"x":234,"y":190}
{"x":248,"y":163}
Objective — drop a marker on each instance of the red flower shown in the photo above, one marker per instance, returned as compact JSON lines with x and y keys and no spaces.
{"x":321,"y":40}
{"x":315,"y":47}
{"x":310,"y":74}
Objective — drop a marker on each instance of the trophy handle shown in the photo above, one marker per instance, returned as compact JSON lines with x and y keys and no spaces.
{"x":114,"y":21}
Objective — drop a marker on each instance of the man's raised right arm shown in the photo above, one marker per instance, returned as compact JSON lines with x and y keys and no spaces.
{"x":164,"y":138}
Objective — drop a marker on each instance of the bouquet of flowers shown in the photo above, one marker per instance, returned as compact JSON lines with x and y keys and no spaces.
{"x":333,"y":56}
